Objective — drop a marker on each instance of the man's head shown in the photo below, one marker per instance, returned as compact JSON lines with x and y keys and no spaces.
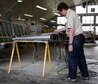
{"x":62,"y":8}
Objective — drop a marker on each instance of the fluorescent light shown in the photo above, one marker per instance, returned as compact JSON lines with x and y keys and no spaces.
{"x":19,"y":1}
{"x":42,"y":18}
{"x":52,"y":21}
{"x":0,"y":14}
{"x":46,"y":25}
{"x":28,"y":15}
{"x":19,"y":18}
{"x":41,"y":7}
{"x":57,"y":14}
{"x":54,"y":26}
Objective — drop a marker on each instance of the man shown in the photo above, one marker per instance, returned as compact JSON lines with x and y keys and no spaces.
{"x":74,"y":30}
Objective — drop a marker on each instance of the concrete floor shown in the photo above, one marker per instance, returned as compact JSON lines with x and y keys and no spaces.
{"x":31,"y":73}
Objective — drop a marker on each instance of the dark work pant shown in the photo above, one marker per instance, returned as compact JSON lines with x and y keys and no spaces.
{"x":77,"y":58}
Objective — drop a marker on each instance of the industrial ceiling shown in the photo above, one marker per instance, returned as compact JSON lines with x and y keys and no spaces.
{"x":14,"y":9}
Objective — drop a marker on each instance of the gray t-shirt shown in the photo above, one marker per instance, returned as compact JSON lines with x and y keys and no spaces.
{"x":73,"y":21}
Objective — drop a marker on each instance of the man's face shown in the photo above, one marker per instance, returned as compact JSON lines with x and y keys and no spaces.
{"x":63,"y":12}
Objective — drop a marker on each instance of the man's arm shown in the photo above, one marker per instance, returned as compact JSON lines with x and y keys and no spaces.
{"x":71,"y":36}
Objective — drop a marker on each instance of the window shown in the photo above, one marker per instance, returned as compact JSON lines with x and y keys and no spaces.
{"x":88,"y":28}
{"x":97,"y":30}
{"x":88,"y":19}
{"x":80,"y":10}
{"x":97,"y":19}
{"x":61,"y":22}
{"x":93,"y":9}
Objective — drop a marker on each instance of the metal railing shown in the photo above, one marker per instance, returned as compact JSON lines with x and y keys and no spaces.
{"x":8,"y":30}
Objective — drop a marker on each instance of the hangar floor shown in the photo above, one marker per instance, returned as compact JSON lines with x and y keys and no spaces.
{"x":31,"y":73}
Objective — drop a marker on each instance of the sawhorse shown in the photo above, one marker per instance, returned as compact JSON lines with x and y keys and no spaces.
{"x":47,"y":52}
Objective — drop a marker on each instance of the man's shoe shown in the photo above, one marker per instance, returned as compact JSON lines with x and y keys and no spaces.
{"x":85,"y":78}
{"x":73,"y":80}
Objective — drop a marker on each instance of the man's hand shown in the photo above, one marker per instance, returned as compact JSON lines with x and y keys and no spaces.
{"x":56,"y":31}
{"x":70,"y":48}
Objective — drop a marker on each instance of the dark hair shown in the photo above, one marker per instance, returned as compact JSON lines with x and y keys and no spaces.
{"x":62,"y":5}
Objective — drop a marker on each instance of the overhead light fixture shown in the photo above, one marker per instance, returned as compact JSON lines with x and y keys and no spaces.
{"x":52,"y":21}
{"x":57,"y":14}
{"x":54,"y":26}
{"x":19,"y":18}
{"x":19,"y":0}
{"x":28,"y":15}
{"x":40,"y":7}
{"x":0,"y":14}
{"x":42,"y":18}
{"x":23,"y":19}
{"x":46,"y":26}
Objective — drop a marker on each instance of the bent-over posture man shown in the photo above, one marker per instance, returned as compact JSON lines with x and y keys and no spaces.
{"x":74,"y":30}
